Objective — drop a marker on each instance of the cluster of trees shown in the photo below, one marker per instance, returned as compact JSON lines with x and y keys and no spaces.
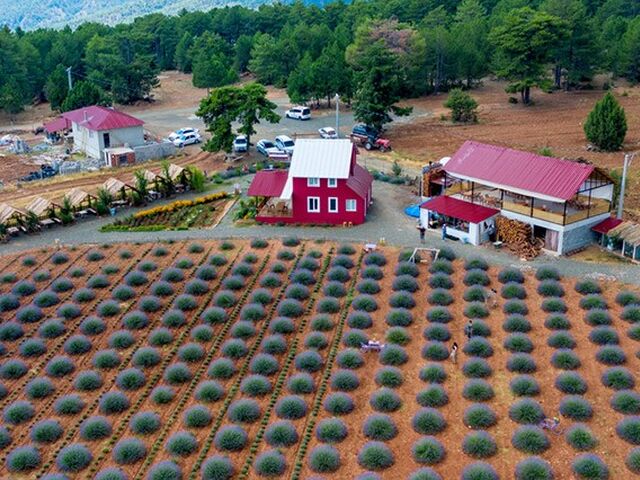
{"x":373,"y":52}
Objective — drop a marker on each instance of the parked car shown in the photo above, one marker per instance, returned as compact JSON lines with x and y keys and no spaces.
{"x":285,"y":143}
{"x":48,"y":171}
{"x":369,"y":138}
{"x":183,"y":131}
{"x":240,"y":144}
{"x":187,"y":139}
{"x":31,"y":176}
{"x":328,"y":132}
{"x":298,"y":113}
{"x":267,"y":147}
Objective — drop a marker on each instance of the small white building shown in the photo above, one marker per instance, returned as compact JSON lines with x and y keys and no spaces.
{"x":98,"y":128}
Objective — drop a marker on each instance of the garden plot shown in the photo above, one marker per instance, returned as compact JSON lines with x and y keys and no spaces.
{"x":242,"y":359}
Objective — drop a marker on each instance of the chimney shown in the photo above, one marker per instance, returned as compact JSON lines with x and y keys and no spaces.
{"x":84,"y":114}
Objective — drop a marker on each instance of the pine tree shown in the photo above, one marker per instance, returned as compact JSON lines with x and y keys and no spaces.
{"x":606,"y":125}
{"x":463,"y":106}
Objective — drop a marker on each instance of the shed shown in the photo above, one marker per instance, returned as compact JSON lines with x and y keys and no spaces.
{"x":175,"y":171}
{"x":42,"y":207}
{"x":10,"y":215}
{"x":78,"y":197}
{"x":464,"y":220}
{"x":119,"y":156}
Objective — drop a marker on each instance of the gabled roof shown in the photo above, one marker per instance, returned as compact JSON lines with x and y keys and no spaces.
{"x":520,"y":172}
{"x":39,"y":205}
{"x":113,"y":185}
{"x":7,"y":211}
{"x":268,"y":183}
{"x":606,"y":225}
{"x":76,"y":196}
{"x":101,"y":118}
{"x":453,"y":207}
{"x":321,"y":158}
{"x":360,"y":182}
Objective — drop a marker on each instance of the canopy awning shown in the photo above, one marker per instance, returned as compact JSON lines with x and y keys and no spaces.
{"x":113,"y":185}
{"x":39,"y":206}
{"x":76,"y":196}
{"x":57,"y":125}
{"x":606,"y":225}
{"x":629,"y":232}
{"x":175,"y":171}
{"x":7,"y":211}
{"x":453,"y":207}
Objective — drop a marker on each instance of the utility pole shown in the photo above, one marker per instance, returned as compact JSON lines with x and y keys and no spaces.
{"x":69,"y":79}
{"x":627,"y":161}
{"x":338,"y":115}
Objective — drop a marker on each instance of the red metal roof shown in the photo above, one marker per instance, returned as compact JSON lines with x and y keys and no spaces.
{"x":57,"y":125}
{"x":268,"y":183}
{"x":606,"y":225}
{"x":360,"y":182}
{"x":518,"y":171}
{"x":453,"y":207}
{"x":101,"y":118}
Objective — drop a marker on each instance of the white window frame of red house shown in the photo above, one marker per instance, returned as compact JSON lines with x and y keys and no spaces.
{"x":317,"y":201}
{"x":313,"y":182}
{"x":332,"y":182}
{"x":355,"y":205}
{"x":334,"y":210}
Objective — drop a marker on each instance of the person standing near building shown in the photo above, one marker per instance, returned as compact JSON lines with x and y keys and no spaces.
{"x":444,"y":231}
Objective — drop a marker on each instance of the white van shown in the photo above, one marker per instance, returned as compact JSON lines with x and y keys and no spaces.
{"x":298,"y":113}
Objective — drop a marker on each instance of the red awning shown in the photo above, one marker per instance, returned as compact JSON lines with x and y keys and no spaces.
{"x":57,"y":125}
{"x":268,"y":183}
{"x":518,"y":171}
{"x":606,"y":225}
{"x":452,"y":207}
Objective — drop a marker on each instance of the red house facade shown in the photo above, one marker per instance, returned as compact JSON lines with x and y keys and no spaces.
{"x":324,"y":186}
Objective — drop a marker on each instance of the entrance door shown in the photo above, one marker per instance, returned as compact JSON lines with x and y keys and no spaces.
{"x":106,"y":139}
{"x":551,"y":240}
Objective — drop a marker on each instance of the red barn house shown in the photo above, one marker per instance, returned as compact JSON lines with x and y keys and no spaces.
{"x":324,"y":186}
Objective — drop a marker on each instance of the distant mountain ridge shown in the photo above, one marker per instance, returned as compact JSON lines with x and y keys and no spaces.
{"x":33,"y":14}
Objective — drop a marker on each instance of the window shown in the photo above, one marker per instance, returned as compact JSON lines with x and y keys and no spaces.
{"x":106,"y":140}
{"x":351,"y":205}
{"x":333,"y":204}
{"x":332,"y":182}
{"x":313,"y":182}
{"x":313,"y":204}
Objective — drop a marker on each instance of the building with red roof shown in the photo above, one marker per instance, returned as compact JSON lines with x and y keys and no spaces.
{"x":561,"y":199}
{"x":324,"y":185}
{"x":97,"y":129}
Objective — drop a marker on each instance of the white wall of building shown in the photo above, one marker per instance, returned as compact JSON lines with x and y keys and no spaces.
{"x":92,"y":142}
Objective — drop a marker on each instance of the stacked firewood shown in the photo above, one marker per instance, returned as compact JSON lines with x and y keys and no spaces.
{"x":517,"y":237}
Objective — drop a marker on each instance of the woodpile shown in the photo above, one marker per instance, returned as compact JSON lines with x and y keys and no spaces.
{"x":518,"y":237}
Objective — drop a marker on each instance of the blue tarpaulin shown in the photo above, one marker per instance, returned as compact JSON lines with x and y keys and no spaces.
{"x":413,"y":211}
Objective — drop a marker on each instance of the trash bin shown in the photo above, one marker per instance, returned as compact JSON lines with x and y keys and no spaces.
{"x":112,"y":211}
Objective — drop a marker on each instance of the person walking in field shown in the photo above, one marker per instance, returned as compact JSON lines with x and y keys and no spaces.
{"x":468,"y":329}
{"x":453,"y":356}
